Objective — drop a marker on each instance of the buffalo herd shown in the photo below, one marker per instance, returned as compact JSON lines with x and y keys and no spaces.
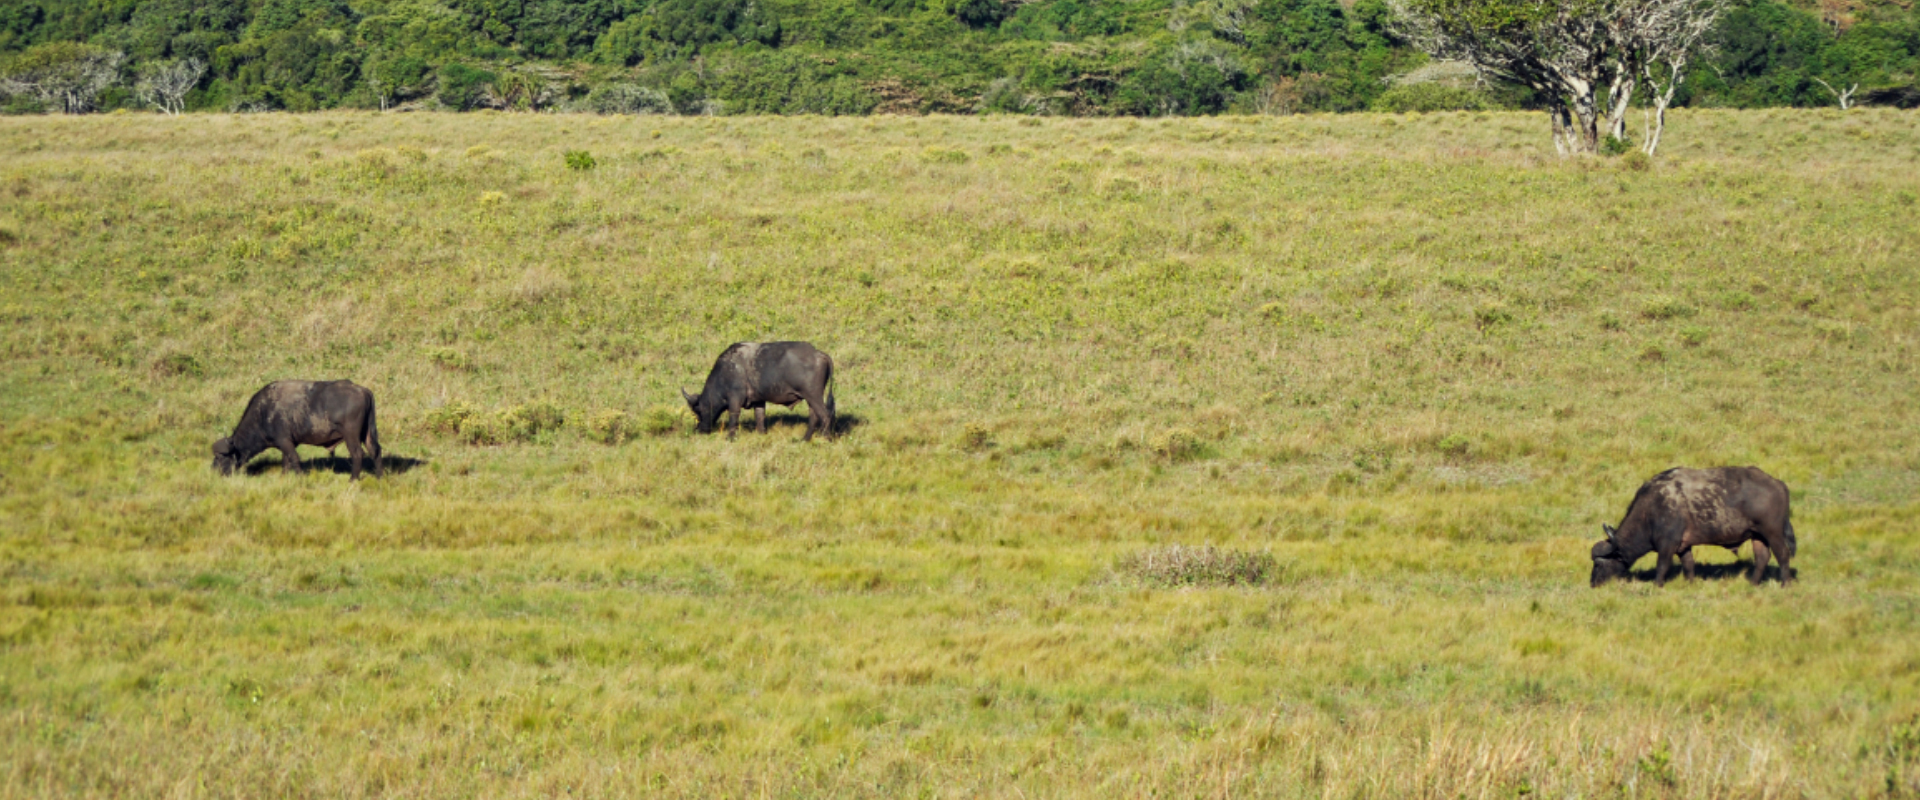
{"x":1670,"y":514}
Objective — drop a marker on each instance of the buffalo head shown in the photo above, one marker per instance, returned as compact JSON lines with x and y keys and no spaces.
{"x":225,"y":458}
{"x":705,"y":412}
{"x":1608,"y":562}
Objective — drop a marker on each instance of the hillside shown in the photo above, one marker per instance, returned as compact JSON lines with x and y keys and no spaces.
{"x":1045,"y":57}
{"x":1417,"y":360}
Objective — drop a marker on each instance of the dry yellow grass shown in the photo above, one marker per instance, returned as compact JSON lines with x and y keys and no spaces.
{"x":1416,"y":360}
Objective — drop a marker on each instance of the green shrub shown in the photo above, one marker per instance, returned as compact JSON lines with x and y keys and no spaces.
{"x":524,"y":422}
{"x":609,"y":426}
{"x":660,"y":420}
{"x":1428,"y":97}
{"x":626,"y":98}
{"x":580,"y":160}
{"x":1616,"y":146}
{"x":1177,"y":444}
{"x":486,"y":429}
{"x":944,"y":155}
{"x":975,"y":437}
{"x":1454,"y":445}
{"x":1665,"y":308}
{"x":449,"y":418}
{"x":446,"y":358}
{"x":462,"y":87}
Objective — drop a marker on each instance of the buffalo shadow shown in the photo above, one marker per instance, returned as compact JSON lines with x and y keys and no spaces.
{"x":1709,"y":572}
{"x":842,"y":422}
{"x":339,"y":465}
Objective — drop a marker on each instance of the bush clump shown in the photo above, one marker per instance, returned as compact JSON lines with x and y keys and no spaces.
{"x":449,"y":418}
{"x":580,"y":160}
{"x":447,"y":358}
{"x":609,"y":426}
{"x":1181,"y":565}
{"x":485,"y":429}
{"x":660,"y":420}
{"x":1665,"y":308}
{"x":626,"y":98}
{"x":1177,"y":444}
{"x":522,"y":423}
{"x":1427,"y":97}
{"x":945,"y":155}
{"x":976,"y":437}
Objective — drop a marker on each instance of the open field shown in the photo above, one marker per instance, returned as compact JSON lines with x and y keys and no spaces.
{"x":1416,"y":359}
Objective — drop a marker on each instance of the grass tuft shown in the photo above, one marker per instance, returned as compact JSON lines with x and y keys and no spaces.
{"x":1188,"y":566}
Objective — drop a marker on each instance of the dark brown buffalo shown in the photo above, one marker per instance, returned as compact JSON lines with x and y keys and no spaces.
{"x":285,"y":414}
{"x":753,"y":374}
{"x":1682,"y":508}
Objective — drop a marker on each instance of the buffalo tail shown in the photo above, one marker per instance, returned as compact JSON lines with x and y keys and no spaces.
{"x":1792,"y":545}
{"x":371,"y":439}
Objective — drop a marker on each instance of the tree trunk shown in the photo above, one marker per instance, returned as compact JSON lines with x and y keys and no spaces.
{"x":1660,"y":102}
{"x":1619,"y":97}
{"x":1562,"y":129}
{"x":1586,"y":137}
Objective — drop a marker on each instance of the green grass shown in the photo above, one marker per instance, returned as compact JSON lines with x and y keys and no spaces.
{"x":1415,"y":359}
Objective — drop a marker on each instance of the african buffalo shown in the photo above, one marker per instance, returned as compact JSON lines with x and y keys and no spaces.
{"x":289,"y":413}
{"x":753,"y":374}
{"x":1681,"y":508}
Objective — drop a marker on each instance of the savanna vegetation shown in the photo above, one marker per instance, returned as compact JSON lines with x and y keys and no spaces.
{"x":1242,"y":456}
{"x":1054,"y":57}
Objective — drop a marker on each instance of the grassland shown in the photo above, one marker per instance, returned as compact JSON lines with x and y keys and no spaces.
{"x":1416,"y":360}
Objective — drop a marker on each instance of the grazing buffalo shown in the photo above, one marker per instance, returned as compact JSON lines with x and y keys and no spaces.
{"x":1681,"y":508}
{"x":753,"y":374}
{"x":290,"y":413}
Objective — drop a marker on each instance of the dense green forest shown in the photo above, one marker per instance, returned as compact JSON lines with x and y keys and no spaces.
{"x":1087,"y":57}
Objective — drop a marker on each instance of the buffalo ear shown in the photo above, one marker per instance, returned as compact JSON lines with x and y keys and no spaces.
{"x":1610,"y":530}
{"x":223,"y":447}
{"x":1603,"y":550}
{"x":691,"y":403}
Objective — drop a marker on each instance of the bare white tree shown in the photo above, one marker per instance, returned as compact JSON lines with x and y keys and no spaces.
{"x":1585,"y":57}
{"x":1562,"y":49}
{"x":164,"y":85}
{"x":1844,"y":96}
{"x":68,"y":75}
{"x":1667,"y":35}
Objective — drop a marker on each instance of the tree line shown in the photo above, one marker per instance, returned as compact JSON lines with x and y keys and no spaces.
{"x":1069,"y":57}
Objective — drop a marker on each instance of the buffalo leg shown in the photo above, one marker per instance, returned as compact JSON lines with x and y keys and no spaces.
{"x":1777,"y":542}
{"x":354,"y":451}
{"x":760,"y":419}
{"x":1660,"y":568}
{"x":1759,"y":561}
{"x":733,"y":414}
{"x":289,"y":456}
{"x":1686,"y":563}
{"x":379,"y":469}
